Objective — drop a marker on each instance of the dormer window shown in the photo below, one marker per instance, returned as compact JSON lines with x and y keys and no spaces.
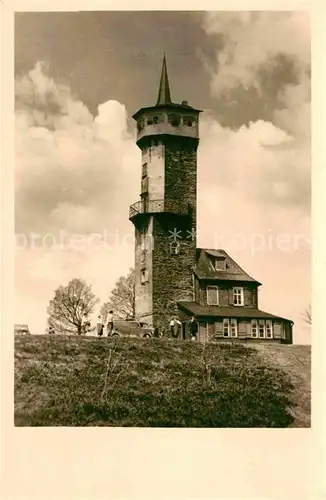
{"x":149,"y":121}
{"x":219,"y":264}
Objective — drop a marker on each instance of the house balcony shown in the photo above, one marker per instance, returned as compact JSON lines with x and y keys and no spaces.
{"x":142,"y":207}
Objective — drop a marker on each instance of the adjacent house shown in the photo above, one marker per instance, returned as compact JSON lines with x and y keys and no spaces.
{"x":226,"y":303}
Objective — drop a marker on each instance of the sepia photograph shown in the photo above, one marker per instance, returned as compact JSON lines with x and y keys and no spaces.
{"x":162,"y":219}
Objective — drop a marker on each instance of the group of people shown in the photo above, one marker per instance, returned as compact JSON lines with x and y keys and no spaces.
{"x":109,"y":325}
{"x":176,"y":327}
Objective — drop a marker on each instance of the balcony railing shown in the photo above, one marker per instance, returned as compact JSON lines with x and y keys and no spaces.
{"x":157,"y":206}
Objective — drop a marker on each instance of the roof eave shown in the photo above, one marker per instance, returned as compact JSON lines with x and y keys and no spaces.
{"x":171,"y":106}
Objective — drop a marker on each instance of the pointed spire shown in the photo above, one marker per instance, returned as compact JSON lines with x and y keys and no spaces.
{"x":164,"y":96}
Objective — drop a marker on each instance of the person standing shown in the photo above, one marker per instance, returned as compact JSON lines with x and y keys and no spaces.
{"x":177,"y":328}
{"x":172,"y":323}
{"x":110,"y":323}
{"x":193,"y":328}
{"x":99,"y":326}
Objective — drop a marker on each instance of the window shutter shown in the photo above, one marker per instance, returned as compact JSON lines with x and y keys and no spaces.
{"x":247,"y":295}
{"x":218,"y":328}
{"x":242,"y":327}
{"x":212,"y":295}
{"x":202,"y":331}
{"x":277,"y":331}
{"x":254,"y":298}
{"x":231,"y":296}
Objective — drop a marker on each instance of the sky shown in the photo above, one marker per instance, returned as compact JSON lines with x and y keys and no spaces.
{"x":79,"y":77}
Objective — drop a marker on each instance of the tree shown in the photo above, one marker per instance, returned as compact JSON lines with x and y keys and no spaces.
{"x":122,"y":298}
{"x":70,"y":305}
{"x":307,"y":315}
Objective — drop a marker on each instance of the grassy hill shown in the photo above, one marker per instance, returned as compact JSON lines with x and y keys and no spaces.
{"x":70,"y":381}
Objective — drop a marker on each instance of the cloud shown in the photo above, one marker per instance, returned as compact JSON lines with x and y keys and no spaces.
{"x":268,"y":160}
{"x":252,"y":40}
{"x":69,"y":164}
{"x":259,"y":161}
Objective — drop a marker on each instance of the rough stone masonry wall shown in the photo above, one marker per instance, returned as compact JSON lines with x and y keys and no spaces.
{"x":181,"y":171}
{"x":173,"y":274}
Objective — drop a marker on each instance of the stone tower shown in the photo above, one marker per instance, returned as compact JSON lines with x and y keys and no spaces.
{"x":165,"y":216}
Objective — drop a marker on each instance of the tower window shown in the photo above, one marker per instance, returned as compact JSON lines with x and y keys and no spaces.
{"x":174,"y":120}
{"x":140,"y":126}
{"x":144,"y":171}
{"x":174,"y":248}
{"x":143,"y":276}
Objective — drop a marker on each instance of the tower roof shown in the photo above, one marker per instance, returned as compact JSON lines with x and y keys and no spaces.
{"x":164,"y":96}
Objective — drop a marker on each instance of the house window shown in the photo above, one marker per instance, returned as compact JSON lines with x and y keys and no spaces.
{"x":230,"y":327}
{"x":234,"y":327}
{"x":144,"y":171}
{"x":261,"y":328}
{"x":143,"y":276}
{"x":254,"y":331}
{"x":269,"y":329}
{"x":238,"y":296}
{"x":212,"y":295}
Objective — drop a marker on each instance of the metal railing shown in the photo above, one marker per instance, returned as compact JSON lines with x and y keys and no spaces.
{"x":157,"y":206}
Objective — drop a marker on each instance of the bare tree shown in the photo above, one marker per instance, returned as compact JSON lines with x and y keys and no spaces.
{"x":70,"y":305}
{"x":122,"y":298}
{"x":307,"y":315}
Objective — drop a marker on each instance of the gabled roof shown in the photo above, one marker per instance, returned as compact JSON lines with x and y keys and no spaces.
{"x":193,"y":308}
{"x":205,"y":270}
